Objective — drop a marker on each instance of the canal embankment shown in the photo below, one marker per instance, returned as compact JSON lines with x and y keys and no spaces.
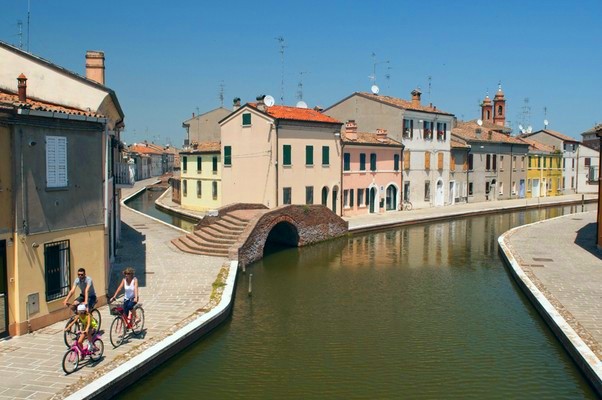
{"x":557,"y":265}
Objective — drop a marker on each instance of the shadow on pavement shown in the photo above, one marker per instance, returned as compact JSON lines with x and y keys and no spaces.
{"x":134,"y":257}
{"x":586,"y":239}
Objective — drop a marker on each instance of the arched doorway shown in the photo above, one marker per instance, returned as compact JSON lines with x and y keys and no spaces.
{"x":493,"y":190}
{"x":373,"y":204}
{"x":439,"y":194}
{"x":282,"y":235}
{"x":391,"y":198}
{"x":325,"y":196}
{"x":335,"y":195}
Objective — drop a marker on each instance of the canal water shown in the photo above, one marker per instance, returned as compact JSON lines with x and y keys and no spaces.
{"x":420,"y":312}
{"x":145,"y":202}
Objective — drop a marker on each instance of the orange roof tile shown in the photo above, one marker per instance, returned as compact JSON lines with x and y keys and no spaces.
{"x":550,"y":132}
{"x":468,"y":131}
{"x":394,"y":101}
{"x":11,"y":100}
{"x":457,"y":143}
{"x":142,"y":149}
{"x":296,"y":114}
{"x":204,"y":147}
{"x":368,"y":139}
{"x":535,"y":146}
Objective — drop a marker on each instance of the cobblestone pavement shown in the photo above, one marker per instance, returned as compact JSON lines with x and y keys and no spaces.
{"x":561,"y":258}
{"x":173,"y":286}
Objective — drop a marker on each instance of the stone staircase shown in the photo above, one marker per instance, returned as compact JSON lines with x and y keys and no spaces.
{"x":216,"y":238}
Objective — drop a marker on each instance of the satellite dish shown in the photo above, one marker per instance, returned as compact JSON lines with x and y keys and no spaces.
{"x":479,"y":122}
{"x":301,"y":104}
{"x":521,"y":127}
{"x":268,"y":101}
{"x":529,"y":129}
{"x":545,"y":122}
{"x":375,"y":89}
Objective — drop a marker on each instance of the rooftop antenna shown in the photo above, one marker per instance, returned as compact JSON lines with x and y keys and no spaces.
{"x":280,"y":40}
{"x":429,"y":92}
{"x":20,"y":34}
{"x":388,"y":77}
{"x":28,"y":15}
{"x":374,"y":64}
{"x":300,"y":86}
{"x":545,"y":116}
{"x":526,"y":111}
{"x":221,"y":93}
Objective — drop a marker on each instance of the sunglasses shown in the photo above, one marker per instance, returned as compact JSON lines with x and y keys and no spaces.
{"x":81,"y":274}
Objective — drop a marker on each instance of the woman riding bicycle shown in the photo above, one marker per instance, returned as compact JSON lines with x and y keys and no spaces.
{"x":86,"y":320}
{"x":130,"y":285}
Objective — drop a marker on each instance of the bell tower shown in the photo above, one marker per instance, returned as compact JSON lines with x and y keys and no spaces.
{"x":499,"y":107}
{"x":487,"y":110}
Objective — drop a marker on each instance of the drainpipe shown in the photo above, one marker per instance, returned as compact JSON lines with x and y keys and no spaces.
{"x":275,"y":125}
{"x":341,"y":180}
{"x":106,"y":204}
{"x":400,"y":197}
{"x":467,"y":171}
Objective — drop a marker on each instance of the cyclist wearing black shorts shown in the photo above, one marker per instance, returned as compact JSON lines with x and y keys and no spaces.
{"x":87,"y":293}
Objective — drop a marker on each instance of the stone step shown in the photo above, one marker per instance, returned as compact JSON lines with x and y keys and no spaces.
{"x":236,"y":219}
{"x":227,"y":227}
{"x":186,"y":246}
{"x":210,"y":244}
{"x":209,"y":231}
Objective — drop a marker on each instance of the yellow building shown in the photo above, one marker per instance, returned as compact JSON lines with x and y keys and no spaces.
{"x":544,"y":174}
{"x":200,"y":176}
{"x":58,"y":208}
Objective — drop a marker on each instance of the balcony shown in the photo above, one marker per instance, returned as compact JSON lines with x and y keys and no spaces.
{"x":124,"y":175}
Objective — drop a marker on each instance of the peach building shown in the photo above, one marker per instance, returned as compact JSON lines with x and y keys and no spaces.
{"x":372,"y":174}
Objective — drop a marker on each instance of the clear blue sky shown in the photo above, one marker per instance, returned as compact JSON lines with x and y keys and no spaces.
{"x":165,"y":59}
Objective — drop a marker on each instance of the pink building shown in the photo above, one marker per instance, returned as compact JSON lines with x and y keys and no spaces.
{"x":372,"y":171}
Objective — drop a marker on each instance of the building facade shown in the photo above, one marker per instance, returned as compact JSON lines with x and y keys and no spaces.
{"x":200,"y":177}
{"x":205,"y":127}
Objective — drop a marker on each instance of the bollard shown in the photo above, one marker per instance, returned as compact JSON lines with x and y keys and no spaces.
{"x":250,"y":284}
{"x":244,"y":270}
{"x":582,"y":202}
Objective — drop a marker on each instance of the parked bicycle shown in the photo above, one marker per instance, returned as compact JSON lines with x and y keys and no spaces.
{"x":122,"y":323}
{"x":78,"y":352}
{"x":72,"y":333}
{"x":407,"y":205}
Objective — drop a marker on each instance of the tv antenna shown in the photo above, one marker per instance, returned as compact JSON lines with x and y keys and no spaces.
{"x":28,"y":15}
{"x":300,"y":86}
{"x":430,"y":78}
{"x":280,"y":40}
{"x":20,"y":34}
{"x":374,"y":64}
{"x":221,"y":93}
{"x":388,"y":77}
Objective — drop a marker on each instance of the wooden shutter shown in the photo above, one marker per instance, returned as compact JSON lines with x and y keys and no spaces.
{"x":427,"y":160}
{"x":440,"y":161}
{"x":406,"y":160}
{"x":56,"y":161}
{"x":452,"y":163}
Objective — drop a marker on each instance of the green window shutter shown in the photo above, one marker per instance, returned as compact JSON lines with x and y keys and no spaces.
{"x":373,"y":162}
{"x":325,"y":155}
{"x":346,"y":162}
{"x":199,"y":163}
{"x":214,"y":164}
{"x":309,"y":155}
{"x":184,"y":163}
{"x":227,"y":155}
{"x":246,"y":119}
{"x":286,"y":154}
{"x":396,"y":162}
{"x":362,"y":161}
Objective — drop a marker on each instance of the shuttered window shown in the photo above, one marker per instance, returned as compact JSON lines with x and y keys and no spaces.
{"x":440,"y":161}
{"x":286,"y":152}
{"x":227,"y":155}
{"x":406,"y":160}
{"x":427,"y":160}
{"x":56,"y":161}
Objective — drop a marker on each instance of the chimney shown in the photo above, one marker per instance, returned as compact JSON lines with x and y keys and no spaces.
{"x":416,"y":97}
{"x":260,"y":103}
{"x":22,"y":88}
{"x":351,"y":130}
{"x":192,"y":115}
{"x":381,"y":133}
{"x":95,"y":66}
{"x":236,"y":104}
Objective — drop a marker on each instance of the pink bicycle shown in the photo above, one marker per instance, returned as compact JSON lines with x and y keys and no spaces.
{"x":78,"y":352}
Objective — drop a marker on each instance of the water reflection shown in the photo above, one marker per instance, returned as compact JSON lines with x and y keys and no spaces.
{"x":145,"y":202}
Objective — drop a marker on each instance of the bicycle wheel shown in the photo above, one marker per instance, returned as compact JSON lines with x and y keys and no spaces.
{"x":409,"y":206}
{"x":71,"y":335}
{"x":99,"y":349}
{"x":138,"y":326}
{"x":70,"y":361}
{"x":96,"y":315}
{"x":117,"y":332}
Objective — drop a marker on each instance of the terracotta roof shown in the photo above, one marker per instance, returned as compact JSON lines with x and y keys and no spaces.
{"x":593,"y":129}
{"x":296,"y":114}
{"x":11,"y":100}
{"x":458,"y":143}
{"x":557,"y":135}
{"x":143,"y":149}
{"x":204,"y":147}
{"x":406,"y":104}
{"x":468,"y":131}
{"x":535,"y":146}
{"x":492,"y":126}
{"x":368,"y":139}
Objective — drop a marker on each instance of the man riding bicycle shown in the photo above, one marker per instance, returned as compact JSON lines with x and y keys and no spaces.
{"x":87,"y":296}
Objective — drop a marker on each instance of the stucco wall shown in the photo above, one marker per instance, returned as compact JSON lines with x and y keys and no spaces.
{"x":206,"y":177}
{"x":6,"y":184}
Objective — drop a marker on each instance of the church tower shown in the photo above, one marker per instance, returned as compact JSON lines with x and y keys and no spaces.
{"x":499,"y":107}
{"x":487,"y":110}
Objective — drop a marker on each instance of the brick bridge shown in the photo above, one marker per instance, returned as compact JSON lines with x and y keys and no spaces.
{"x":241,"y":231}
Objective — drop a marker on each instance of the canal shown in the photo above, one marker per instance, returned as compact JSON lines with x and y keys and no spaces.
{"x":421,"y":312}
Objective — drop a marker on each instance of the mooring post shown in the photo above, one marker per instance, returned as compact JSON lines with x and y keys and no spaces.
{"x":244,"y":270}
{"x":582,"y":202}
{"x":250,"y":284}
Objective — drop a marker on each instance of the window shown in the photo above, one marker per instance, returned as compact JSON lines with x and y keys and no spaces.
{"x":351,"y":194}
{"x":514,"y":163}
{"x":427,"y":160}
{"x":427,"y":190}
{"x":324,"y":195}
{"x":470,"y":161}
{"x":528,"y":185}
{"x":501,"y":163}
{"x":487,"y":187}
{"x":440,"y":161}
{"x":544,"y":161}
{"x":199,"y":189}
{"x":199,"y":164}
{"x":367,"y":196}
{"x":513,"y":187}
{"x":588,"y":161}
{"x":56,"y":162}
{"x":501,"y":187}
{"x":57,"y":269}
{"x":309,"y":195}
{"x":309,"y":155}
{"x":470,"y":188}
{"x":372,"y":161}
{"x":396,"y":162}
{"x":441,"y":131}
{"x":286,"y":195}
{"x":408,"y":128}
{"x":564,"y":163}
{"x":494,"y":164}
{"x":406,"y":160}
{"x":246,"y":119}
{"x":346,"y":162}
{"x":286,"y":155}
{"x":499,"y":110}
{"x":214,"y":190}
{"x":228,"y":155}
{"x":572,"y":163}
{"x":325,"y":155}
{"x":346,"y":198}
{"x":184,"y":163}
{"x":488,"y":162}
{"x":184,"y":187}
{"x":360,"y":197}
{"x":427,"y":129}
{"x":522,"y":162}
{"x":572,"y":182}
{"x":563,"y":182}
{"x":362,"y":161}
{"x":214,"y":160}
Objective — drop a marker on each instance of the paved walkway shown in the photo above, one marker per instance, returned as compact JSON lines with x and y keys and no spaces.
{"x":173,"y":286}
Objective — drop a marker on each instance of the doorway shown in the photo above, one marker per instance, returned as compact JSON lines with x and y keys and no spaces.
{"x":372,"y":200}
{"x":3,"y":290}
